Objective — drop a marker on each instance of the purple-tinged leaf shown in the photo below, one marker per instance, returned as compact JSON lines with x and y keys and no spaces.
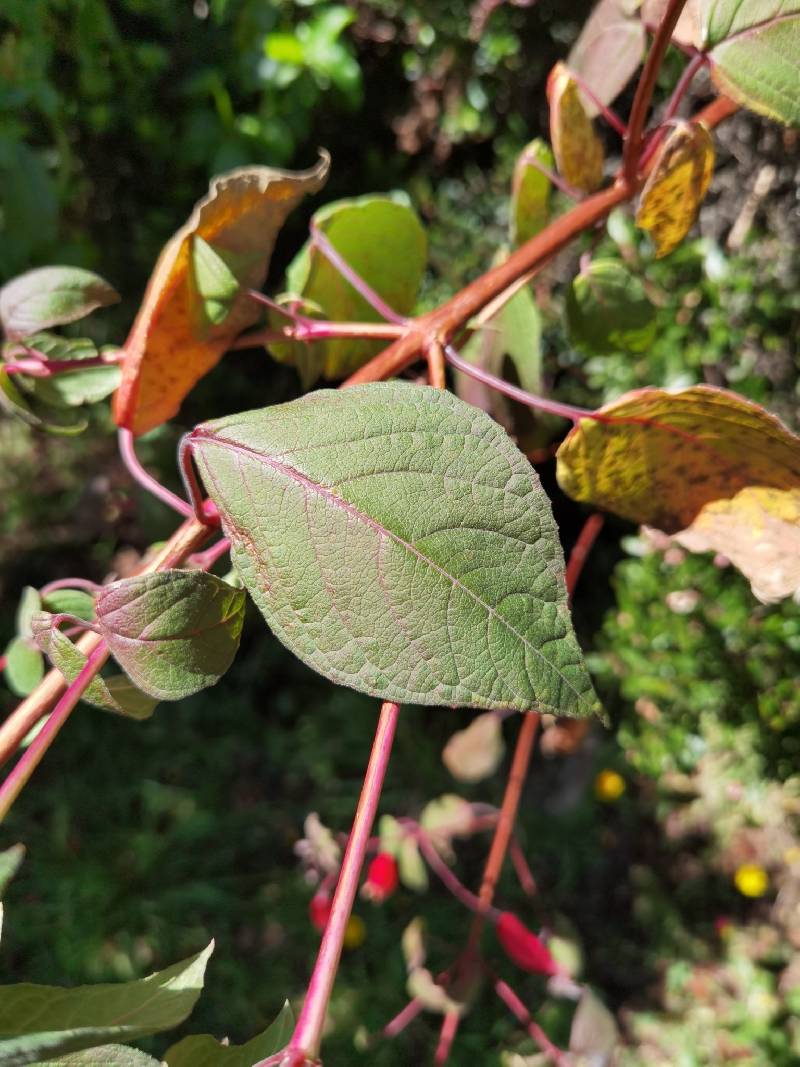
{"x":609,"y":50}
{"x":398,"y":542}
{"x":173,"y":633}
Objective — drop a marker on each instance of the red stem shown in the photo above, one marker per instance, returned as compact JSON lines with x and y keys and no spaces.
{"x":307,"y":1035}
{"x":450,"y":881}
{"x":409,"y":1013}
{"x":375,"y":300}
{"x":581,"y":549}
{"x":644,"y":92}
{"x":517,"y":1008}
{"x":147,"y":481}
{"x":14,"y":783}
{"x":447,"y":1036}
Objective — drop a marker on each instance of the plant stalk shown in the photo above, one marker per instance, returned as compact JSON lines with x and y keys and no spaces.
{"x":305,"y":1043}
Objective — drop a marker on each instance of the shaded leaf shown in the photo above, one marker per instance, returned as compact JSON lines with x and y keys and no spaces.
{"x":444,"y":818}
{"x":755,"y":54}
{"x":607,"y":310}
{"x":474,"y":753}
{"x":104,"y":1056}
{"x":677,"y":186}
{"x":29,"y":603}
{"x":688,"y":30}
{"x":715,"y":469}
{"x":51,"y":296}
{"x":422,"y":986}
{"x":513,"y":333}
{"x":174,"y":632}
{"x":382,"y":239}
{"x":530,"y":192}
{"x":10,"y":860}
{"x":758,"y":530}
{"x":70,"y":602}
{"x":205,"y":1051}
{"x":37,"y":1022}
{"x":308,"y":358}
{"x":412,"y":943}
{"x":167,"y":351}
{"x":24,"y":667}
{"x":16,"y":403}
{"x":576,"y":146}
{"x":215,"y":283}
{"x":73,"y":387}
{"x":397,"y":541}
{"x":609,"y":50}
{"x":124,"y":699}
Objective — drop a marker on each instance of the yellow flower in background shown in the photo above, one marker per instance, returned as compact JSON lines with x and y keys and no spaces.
{"x":751,"y":880}
{"x":355,"y":932}
{"x":609,"y":786}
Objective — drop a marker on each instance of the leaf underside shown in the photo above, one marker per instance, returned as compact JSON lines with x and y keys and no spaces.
{"x":398,"y":542}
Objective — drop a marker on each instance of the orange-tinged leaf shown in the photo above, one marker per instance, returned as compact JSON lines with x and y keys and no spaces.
{"x":173,"y":342}
{"x":677,"y":186}
{"x":659,"y":458}
{"x":759,"y":532}
{"x":576,"y":146}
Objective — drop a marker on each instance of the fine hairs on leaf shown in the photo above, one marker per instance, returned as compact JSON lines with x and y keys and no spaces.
{"x":398,"y":542}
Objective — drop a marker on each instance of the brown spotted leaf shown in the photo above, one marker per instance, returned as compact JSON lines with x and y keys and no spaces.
{"x":576,"y":146}
{"x":676,"y":187}
{"x":658,"y":457}
{"x":190,"y":314}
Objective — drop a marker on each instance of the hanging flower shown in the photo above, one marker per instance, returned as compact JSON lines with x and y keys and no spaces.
{"x":381,"y":878}
{"x":319,"y":910}
{"x":523,"y":947}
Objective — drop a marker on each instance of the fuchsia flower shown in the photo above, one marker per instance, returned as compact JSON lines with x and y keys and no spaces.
{"x":523,"y":947}
{"x":319,"y":910}
{"x":381,"y":878}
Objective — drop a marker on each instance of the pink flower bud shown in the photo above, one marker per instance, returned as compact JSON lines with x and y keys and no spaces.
{"x":381,"y":878}
{"x":523,"y":947}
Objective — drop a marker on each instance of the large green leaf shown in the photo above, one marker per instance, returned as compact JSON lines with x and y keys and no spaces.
{"x":51,"y":296}
{"x":398,"y":542}
{"x":37,"y":1022}
{"x":383,"y":241}
{"x":755,"y":53}
{"x":203,"y":1050}
{"x":174,"y":632}
{"x":115,"y":694}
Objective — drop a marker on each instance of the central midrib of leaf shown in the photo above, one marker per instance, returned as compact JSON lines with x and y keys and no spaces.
{"x":329,"y":495}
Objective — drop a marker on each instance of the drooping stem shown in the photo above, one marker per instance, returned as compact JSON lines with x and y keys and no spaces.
{"x":447,"y":1036}
{"x":375,"y":300}
{"x":449,"y":880}
{"x":555,"y":179}
{"x":14,"y":783}
{"x":611,"y":117}
{"x":307,"y":1036}
{"x":146,"y":480}
{"x":644,"y":91}
{"x":186,"y":539}
{"x":552,"y":407}
{"x":505,"y":824}
{"x":409,"y":1013}
{"x":69,"y":583}
{"x":518,"y":1009}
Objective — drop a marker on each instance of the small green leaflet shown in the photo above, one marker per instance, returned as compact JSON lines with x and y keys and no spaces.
{"x":10,"y":860}
{"x":24,"y":667}
{"x":205,"y":1051}
{"x":608,"y":310}
{"x":115,"y":694}
{"x":51,"y":296}
{"x":530,"y":192}
{"x":72,"y":388}
{"x":215,"y":282}
{"x":397,"y":541}
{"x":41,"y":1022}
{"x":104,"y":1056}
{"x":173,"y":633}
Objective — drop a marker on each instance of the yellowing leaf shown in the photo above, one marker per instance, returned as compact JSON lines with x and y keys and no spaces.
{"x":759,"y":532}
{"x":718,"y":470}
{"x":676,"y":187}
{"x":530,"y":192}
{"x":189,"y":315}
{"x":576,"y":146}
{"x":658,"y":457}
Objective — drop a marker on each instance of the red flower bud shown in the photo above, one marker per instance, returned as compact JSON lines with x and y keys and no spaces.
{"x":319,"y":910}
{"x":381,"y":878}
{"x":523,"y":946}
